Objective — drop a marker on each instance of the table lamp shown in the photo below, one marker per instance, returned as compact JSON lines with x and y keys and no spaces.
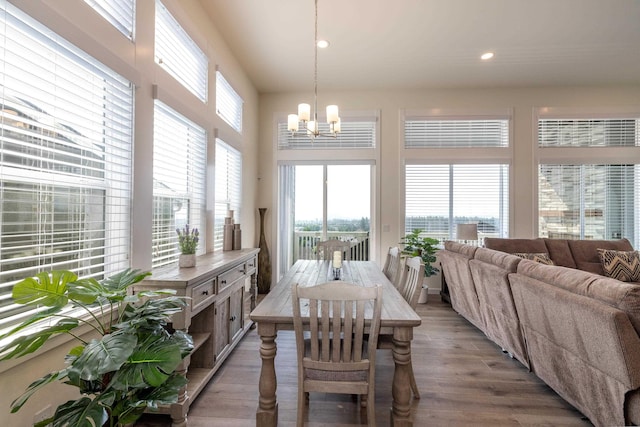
{"x":467,"y":232}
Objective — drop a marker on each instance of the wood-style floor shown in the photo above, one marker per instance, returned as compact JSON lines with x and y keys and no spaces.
{"x":464,"y":380}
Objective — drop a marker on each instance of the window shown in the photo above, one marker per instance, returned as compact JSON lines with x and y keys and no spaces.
{"x":228,"y":187}
{"x":178,"y":55}
{"x":65,"y":159}
{"x":446,"y":186}
{"x":436,"y":132}
{"x":228,"y":103}
{"x":179,"y":159}
{"x":119,"y":13}
{"x":579,"y":195}
{"x":356,"y":132}
{"x":438,"y":197}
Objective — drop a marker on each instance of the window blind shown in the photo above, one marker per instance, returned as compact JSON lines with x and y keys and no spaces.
{"x":119,"y":13}
{"x":178,"y":54}
{"x":354,"y":134}
{"x":589,"y":201}
{"x":228,"y":188}
{"x":588,"y":132}
{"x":438,"y":197}
{"x":179,"y":162}
{"x":228,"y":103}
{"x":65,"y":159}
{"x":457,"y":133}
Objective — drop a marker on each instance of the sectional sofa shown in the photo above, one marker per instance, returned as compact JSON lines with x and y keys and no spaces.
{"x":572,"y":326}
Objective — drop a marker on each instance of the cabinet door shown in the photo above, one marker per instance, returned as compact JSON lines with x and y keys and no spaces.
{"x":221,"y":326}
{"x":236,"y":308}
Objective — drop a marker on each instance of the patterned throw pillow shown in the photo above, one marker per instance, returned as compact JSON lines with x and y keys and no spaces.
{"x":621,"y":265}
{"x":541,"y":257}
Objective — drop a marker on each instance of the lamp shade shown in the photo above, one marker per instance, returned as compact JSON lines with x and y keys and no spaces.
{"x":467,"y":232}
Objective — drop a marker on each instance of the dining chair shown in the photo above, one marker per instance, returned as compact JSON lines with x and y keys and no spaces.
{"x":410,"y":286}
{"x":325,"y":249}
{"x":393,"y":266}
{"x":336,"y":357}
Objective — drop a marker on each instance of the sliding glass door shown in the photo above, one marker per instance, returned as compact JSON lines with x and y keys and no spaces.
{"x":320,"y":202}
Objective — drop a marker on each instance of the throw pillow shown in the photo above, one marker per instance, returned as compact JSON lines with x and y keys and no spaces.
{"x":621,"y":265}
{"x":540,"y":257}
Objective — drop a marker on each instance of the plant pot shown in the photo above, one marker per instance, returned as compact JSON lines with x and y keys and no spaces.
{"x":424,"y":295}
{"x":187,"y":260}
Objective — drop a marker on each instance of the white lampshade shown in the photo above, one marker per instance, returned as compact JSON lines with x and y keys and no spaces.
{"x":467,"y":232}
{"x":304,"y":112}
{"x":293,"y":122}
{"x":332,"y":113}
{"x":312,"y":126}
{"x":337,"y":126}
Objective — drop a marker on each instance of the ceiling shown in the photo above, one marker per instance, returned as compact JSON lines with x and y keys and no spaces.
{"x":410,"y":44}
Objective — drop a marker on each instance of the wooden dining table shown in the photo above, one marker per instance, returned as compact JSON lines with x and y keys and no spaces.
{"x":275,"y":313}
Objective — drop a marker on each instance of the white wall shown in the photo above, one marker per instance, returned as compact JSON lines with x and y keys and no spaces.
{"x":78,"y":23}
{"x":522,"y":102}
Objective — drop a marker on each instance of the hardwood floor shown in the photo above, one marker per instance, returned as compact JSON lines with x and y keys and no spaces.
{"x":464,"y":380}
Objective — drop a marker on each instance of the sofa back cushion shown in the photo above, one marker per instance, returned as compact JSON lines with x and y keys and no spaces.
{"x":500,"y":259}
{"x":516,"y":245}
{"x":621,"y":295}
{"x":560,"y":253}
{"x":460,"y":248}
{"x":585,"y":252}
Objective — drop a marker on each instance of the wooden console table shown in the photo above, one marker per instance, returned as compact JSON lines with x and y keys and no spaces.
{"x":221,"y":291}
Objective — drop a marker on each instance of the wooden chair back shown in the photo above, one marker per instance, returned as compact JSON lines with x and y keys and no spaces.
{"x":325,"y":249}
{"x":412,"y":278}
{"x":393,"y":266}
{"x":337,"y":356}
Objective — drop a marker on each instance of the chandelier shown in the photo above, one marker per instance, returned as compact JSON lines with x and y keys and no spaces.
{"x":304,"y":110}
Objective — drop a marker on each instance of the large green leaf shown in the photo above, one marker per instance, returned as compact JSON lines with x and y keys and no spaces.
{"x":86,"y":291}
{"x":102,"y":356}
{"x":35,"y":386}
{"x":124,"y":279}
{"x":83,"y":412}
{"x":29,"y":343}
{"x":151,"y":364}
{"x":48,"y":289}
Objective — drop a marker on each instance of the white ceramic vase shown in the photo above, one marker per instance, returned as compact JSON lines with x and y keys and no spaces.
{"x":187,"y":260}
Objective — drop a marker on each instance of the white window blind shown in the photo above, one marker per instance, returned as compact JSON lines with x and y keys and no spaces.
{"x":354,"y":133}
{"x":589,"y":201}
{"x":438,"y":197}
{"x":65,"y":159}
{"x":426,"y":132}
{"x":588,"y":132}
{"x":228,"y":103}
{"x":179,"y":162}
{"x":228,"y":194}
{"x":119,"y":13}
{"x":178,"y":54}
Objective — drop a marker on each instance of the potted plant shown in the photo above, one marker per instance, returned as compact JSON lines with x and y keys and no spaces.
{"x":130,"y":365}
{"x":188,"y":243}
{"x":424,"y":247}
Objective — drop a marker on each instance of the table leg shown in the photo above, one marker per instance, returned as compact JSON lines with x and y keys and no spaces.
{"x":267,"y":413}
{"x":401,"y":388}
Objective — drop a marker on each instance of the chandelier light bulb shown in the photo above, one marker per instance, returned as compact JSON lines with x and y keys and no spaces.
{"x":304,"y":112}
{"x":293,"y":123}
{"x":332,"y":114}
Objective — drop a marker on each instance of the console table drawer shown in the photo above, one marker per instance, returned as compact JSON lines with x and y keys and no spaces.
{"x":251,"y":265}
{"x":200,"y":295}
{"x":228,"y":278}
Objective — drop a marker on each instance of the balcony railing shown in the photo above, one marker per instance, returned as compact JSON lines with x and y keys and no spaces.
{"x":305,"y":243}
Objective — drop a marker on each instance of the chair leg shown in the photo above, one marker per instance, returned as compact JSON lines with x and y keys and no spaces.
{"x":302,"y":401}
{"x":371,"y":409}
{"x":414,"y":386}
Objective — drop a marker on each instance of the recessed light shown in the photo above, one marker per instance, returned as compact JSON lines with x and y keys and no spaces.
{"x":323,"y":44}
{"x":486,"y":56}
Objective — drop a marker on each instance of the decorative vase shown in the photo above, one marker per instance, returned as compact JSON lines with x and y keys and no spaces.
{"x":264,"y":259}
{"x":187,"y":260}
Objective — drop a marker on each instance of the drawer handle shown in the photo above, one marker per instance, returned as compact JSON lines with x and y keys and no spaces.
{"x":223,"y":282}
{"x":233,"y":318}
{"x":205,"y":292}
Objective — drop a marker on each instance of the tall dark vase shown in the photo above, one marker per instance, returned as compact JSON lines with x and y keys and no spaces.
{"x":264,"y":259}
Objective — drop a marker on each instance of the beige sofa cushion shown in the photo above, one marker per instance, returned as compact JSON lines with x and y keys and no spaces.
{"x":585,"y":252}
{"x":621,"y":295}
{"x":541,"y":257}
{"x":515,"y":245}
{"x":560,"y":253}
